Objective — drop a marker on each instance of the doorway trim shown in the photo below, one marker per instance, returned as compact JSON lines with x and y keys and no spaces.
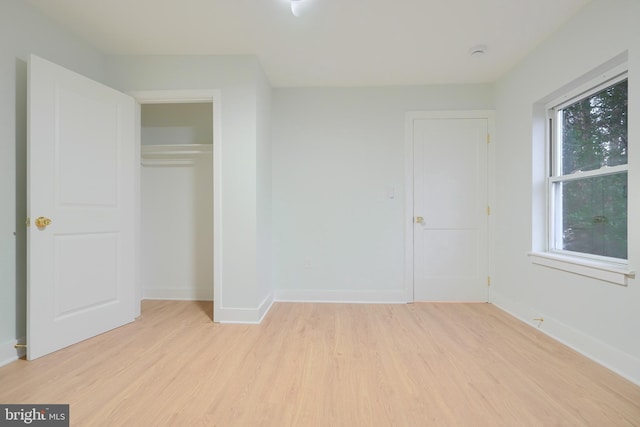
{"x":185,"y":97}
{"x":410,"y":118}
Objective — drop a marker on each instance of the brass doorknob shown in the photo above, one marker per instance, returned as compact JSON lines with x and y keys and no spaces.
{"x":419,"y":220}
{"x":42,"y":222}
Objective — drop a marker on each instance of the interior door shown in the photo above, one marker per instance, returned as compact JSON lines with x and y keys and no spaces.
{"x":450,"y":209}
{"x":81,"y":206}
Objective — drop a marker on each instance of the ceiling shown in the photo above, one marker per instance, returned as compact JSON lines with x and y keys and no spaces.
{"x":333,"y":42}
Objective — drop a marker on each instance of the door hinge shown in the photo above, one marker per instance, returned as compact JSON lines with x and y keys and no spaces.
{"x":19,"y":346}
{"x":27,"y":222}
{"x":488,"y":280}
{"x":488,"y":138}
{"x":488,"y":210}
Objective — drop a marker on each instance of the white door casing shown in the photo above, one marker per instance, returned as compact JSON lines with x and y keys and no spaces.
{"x":449,"y":206}
{"x":194,"y":96}
{"x":81,"y":175}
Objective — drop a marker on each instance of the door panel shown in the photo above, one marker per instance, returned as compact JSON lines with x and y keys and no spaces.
{"x":83,"y":120}
{"x":81,"y":176}
{"x":92,"y":284}
{"x":450,"y":195}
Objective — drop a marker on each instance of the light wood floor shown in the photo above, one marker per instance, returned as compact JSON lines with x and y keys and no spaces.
{"x":325,"y":365}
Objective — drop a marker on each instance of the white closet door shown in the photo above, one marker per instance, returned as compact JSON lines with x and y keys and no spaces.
{"x":450,"y":210}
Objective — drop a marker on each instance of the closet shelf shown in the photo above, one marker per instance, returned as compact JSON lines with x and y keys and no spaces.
{"x":173,"y":155}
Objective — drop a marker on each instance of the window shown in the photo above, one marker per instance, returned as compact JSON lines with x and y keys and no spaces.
{"x":587,"y":183}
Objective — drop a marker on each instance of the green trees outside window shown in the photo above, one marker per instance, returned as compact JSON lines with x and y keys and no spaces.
{"x":589,"y":178}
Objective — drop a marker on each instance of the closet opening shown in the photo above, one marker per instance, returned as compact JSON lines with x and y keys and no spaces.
{"x":176,"y":202}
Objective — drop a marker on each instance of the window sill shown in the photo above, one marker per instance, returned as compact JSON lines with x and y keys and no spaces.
{"x":617,"y":274}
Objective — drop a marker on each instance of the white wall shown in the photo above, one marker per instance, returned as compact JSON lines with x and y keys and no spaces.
{"x":338,"y":153}
{"x":598,"y":318}
{"x":176,"y":204}
{"x":22,"y":32}
{"x":166,"y":124}
{"x":235,"y":77}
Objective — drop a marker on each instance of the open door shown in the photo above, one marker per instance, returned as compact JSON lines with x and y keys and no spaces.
{"x":81,"y":183}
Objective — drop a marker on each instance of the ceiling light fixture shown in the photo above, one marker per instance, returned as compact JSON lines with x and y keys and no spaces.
{"x":296,"y":7}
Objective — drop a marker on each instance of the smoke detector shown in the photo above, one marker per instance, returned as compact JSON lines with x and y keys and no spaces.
{"x":478,"y":50}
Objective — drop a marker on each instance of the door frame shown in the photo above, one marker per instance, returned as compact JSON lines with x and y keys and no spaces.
{"x":410,"y":118}
{"x":184,"y":97}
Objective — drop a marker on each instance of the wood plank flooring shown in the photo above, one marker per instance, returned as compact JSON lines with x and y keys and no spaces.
{"x":325,"y":365}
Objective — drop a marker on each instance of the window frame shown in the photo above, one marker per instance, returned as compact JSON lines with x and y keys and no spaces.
{"x":554,"y":175}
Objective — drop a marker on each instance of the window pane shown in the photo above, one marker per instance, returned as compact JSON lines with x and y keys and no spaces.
{"x":594,"y":131}
{"x":594,"y":215}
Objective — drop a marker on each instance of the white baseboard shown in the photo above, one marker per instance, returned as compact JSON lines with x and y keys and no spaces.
{"x":354,"y":297}
{"x":178,"y":294}
{"x":252,"y":316}
{"x":8,"y":353}
{"x":610,"y":357}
